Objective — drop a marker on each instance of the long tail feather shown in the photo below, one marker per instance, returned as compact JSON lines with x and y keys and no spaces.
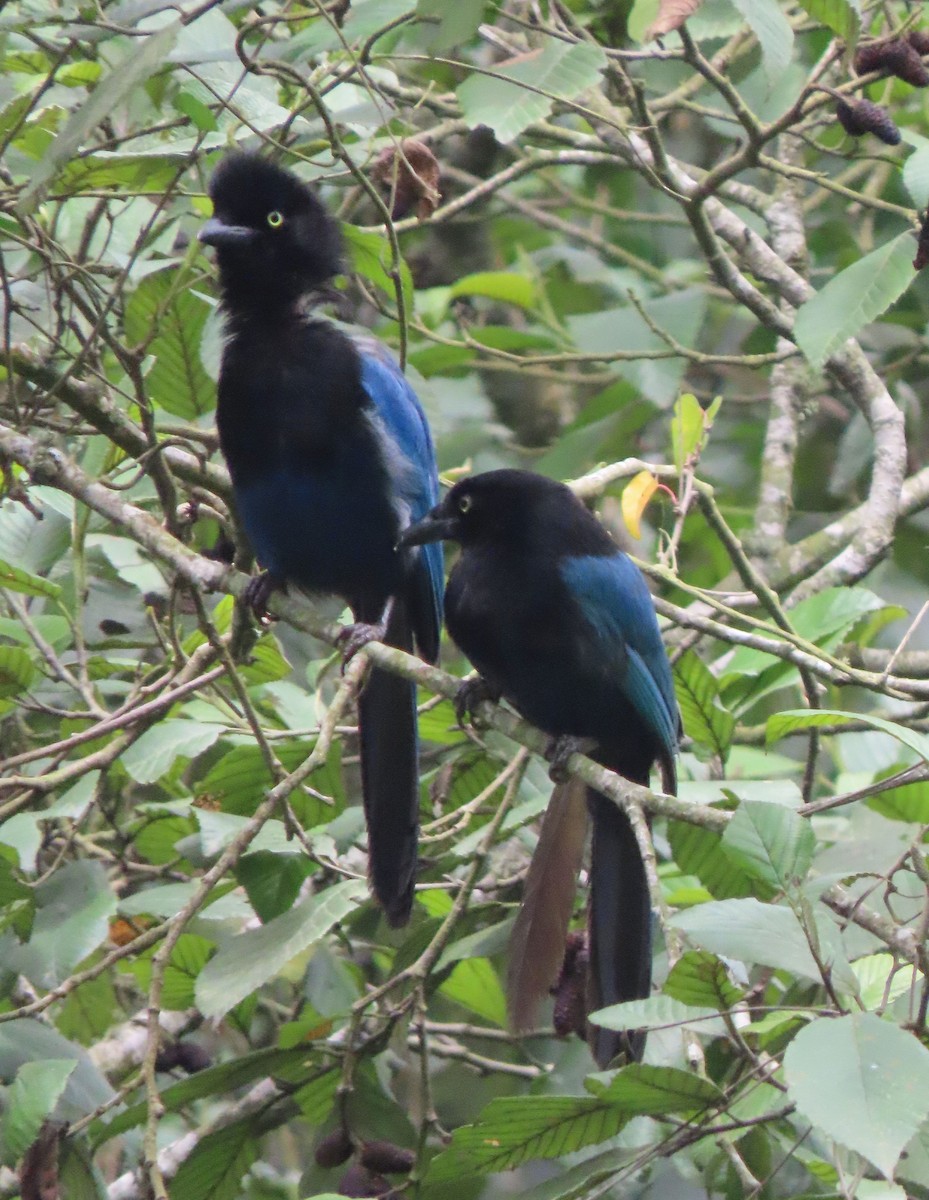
{"x":389,"y":776}
{"x":619,"y":927}
{"x":537,"y":944}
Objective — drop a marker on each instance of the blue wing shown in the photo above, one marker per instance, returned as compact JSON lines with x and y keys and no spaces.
{"x":411,"y":458}
{"x":613,"y":596}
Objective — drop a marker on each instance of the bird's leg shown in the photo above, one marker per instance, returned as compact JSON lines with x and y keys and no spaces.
{"x":258,"y":592}
{"x":560,"y":749}
{"x":470,"y":694}
{"x":352,"y":637}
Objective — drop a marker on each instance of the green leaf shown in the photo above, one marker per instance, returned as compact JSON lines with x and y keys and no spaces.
{"x":774,"y":33}
{"x":658,"y":1012}
{"x":699,"y":979}
{"x":697,"y":852}
{"x":474,"y":983}
{"x":767,"y":934}
{"x":863,"y":1081}
{"x":881,"y":980}
{"x":177,"y":380}
{"x":36,"y":1090}
{"x":641,"y":1088}
{"x":513,"y":1130}
{"x":705,"y":719}
{"x":841,"y":16}
{"x":138,"y":65}
{"x":854,"y":298}
{"x":257,"y":955}
{"x":17,"y":670}
{"x":680,"y":314}
{"x":497,"y":285}
{"x":781,"y":724}
{"x":370,"y":254}
{"x":17,"y":580}
{"x":559,"y":70}
{"x":771,"y":842}
{"x":272,"y":881}
{"x":152,"y":755}
{"x":686,"y":429}
{"x":916,"y":167}
{"x":188,"y":958}
{"x":73,"y":910}
{"x":450,"y":24}
{"x":219,"y":1160}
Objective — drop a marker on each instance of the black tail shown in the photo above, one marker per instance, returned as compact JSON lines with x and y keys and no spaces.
{"x":619,"y":919}
{"x":390,"y":778}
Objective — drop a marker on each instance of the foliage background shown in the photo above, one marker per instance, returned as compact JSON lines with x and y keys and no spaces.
{"x":191,"y":972}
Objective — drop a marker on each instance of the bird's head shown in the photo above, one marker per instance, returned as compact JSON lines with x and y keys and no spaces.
{"x":506,"y":506}
{"x":274,"y":239}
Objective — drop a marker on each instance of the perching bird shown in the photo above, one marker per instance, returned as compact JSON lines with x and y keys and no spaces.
{"x":560,"y":622}
{"x":331,"y":459}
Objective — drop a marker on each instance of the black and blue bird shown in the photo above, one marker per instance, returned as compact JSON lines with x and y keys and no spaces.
{"x":559,"y":622}
{"x":331,"y":459}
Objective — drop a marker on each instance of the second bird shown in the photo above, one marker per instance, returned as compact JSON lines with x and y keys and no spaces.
{"x":331,"y":459}
{"x":560,"y":622}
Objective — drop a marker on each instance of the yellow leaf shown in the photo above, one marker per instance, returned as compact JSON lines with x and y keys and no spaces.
{"x":636,"y":496}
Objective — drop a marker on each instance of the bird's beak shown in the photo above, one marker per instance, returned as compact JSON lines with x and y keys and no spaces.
{"x":434,"y":527}
{"x":217,"y":233}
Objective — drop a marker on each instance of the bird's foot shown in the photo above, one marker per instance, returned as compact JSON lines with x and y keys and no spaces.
{"x":471,"y":692}
{"x":560,"y":750}
{"x":258,"y":592}
{"x":351,"y":638}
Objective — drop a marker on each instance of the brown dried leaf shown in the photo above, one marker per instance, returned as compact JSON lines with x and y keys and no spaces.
{"x":38,"y":1174}
{"x":671,"y":15}
{"x":408,"y":176}
{"x":922,"y":246}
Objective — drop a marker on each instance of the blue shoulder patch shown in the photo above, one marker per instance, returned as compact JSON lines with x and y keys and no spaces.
{"x":614,"y":597}
{"x":409,"y":450}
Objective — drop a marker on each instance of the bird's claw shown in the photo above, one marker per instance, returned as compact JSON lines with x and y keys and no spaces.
{"x":351,"y":638}
{"x":258,"y":592}
{"x":558,"y":752}
{"x":471,"y":692}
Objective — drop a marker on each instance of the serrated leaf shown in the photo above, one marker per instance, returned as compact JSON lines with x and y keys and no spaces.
{"x":635,"y":499}
{"x":176,"y":381}
{"x":853,"y":298}
{"x":705,"y":718}
{"x":513,"y":1130}
{"x":137,"y":66}
{"x":217,"y":1164}
{"x":774,"y":33}
{"x":31,"y":1099}
{"x":863,"y":1081}
{"x":841,"y":16}
{"x":257,"y":955}
{"x":698,"y":979}
{"x":647,"y":1090}
{"x":781,"y":724}
{"x":17,"y":580}
{"x":771,"y":842}
{"x":559,"y":70}
{"x":697,"y":852}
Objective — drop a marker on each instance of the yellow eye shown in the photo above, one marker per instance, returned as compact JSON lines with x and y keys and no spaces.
{"x":464,"y":504}
{"x":275,"y":219}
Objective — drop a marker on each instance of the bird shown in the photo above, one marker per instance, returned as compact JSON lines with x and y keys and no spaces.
{"x":331,"y":458}
{"x":559,"y":622}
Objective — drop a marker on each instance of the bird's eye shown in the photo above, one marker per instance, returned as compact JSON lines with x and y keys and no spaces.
{"x":275,"y":219}
{"x":464,"y":504}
